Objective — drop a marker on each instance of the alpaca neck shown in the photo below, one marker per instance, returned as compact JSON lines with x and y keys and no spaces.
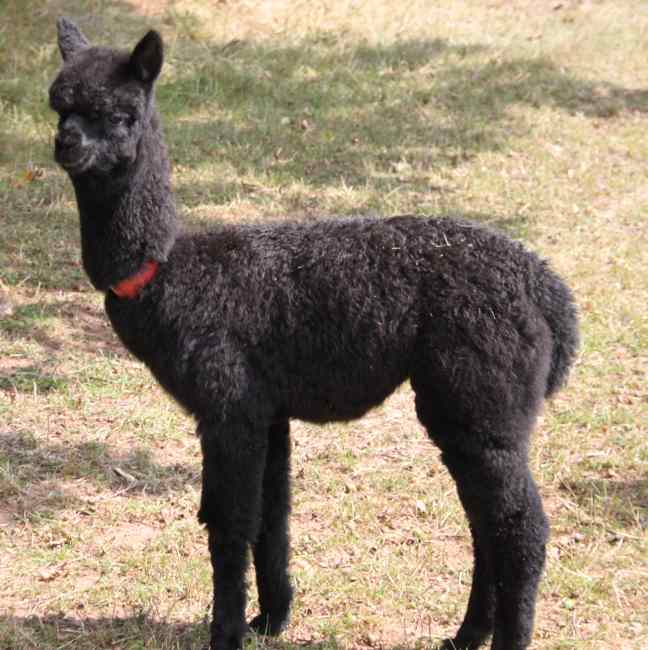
{"x":129,"y":217}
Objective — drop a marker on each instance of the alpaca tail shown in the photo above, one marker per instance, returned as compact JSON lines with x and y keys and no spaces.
{"x":557,"y":305}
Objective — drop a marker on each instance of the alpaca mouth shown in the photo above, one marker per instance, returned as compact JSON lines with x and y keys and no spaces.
{"x":73,"y":160}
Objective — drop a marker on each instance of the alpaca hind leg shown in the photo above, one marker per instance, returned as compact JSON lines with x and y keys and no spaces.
{"x":479,"y":385}
{"x":479,"y":620}
{"x":497,"y":490}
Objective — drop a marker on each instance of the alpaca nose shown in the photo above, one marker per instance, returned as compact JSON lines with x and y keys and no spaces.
{"x":70,"y":133}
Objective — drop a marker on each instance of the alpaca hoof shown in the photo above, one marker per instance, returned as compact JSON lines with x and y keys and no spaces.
{"x":230,"y":639}
{"x":268,"y":625}
{"x":463,"y":644}
{"x":225,"y":644}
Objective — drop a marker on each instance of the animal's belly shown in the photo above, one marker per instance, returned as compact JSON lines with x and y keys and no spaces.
{"x":345,"y":395}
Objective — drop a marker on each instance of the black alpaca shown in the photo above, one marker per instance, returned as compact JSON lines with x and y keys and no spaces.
{"x":249,"y":326}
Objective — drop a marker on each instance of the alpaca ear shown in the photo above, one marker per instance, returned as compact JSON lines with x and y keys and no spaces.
{"x":146,"y":59}
{"x":70,"y":38}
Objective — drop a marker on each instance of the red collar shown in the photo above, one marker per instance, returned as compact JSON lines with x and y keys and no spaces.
{"x":130,"y":287}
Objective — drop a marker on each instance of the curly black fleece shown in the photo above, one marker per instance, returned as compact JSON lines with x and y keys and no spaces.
{"x":248,"y":326}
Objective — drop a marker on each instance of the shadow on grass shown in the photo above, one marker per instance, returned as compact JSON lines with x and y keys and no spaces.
{"x":87,"y":327}
{"x":30,"y":464}
{"x":321,"y":115}
{"x":140,"y":631}
{"x":86,"y":331}
{"x":621,"y":503}
{"x":31,"y":379}
{"x":39,"y":242}
{"x":88,"y":633}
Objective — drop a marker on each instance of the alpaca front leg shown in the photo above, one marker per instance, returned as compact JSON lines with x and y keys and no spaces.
{"x":229,"y":563}
{"x":271,"y":549}
{"x":233,"y":463}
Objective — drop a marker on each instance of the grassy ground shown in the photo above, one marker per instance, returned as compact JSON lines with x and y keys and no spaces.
{"x":530,"y":116}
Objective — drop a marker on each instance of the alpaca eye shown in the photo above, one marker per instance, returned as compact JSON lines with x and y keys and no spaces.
{"x":117,"y":119}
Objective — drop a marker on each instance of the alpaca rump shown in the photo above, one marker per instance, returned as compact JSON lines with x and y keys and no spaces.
{"x":248,"y":326}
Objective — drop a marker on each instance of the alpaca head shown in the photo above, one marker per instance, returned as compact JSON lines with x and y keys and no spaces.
{"x":104,"y":99}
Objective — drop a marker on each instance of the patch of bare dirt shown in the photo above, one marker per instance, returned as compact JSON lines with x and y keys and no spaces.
{"x":133,"y":536}
{"x":149,"y":7}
